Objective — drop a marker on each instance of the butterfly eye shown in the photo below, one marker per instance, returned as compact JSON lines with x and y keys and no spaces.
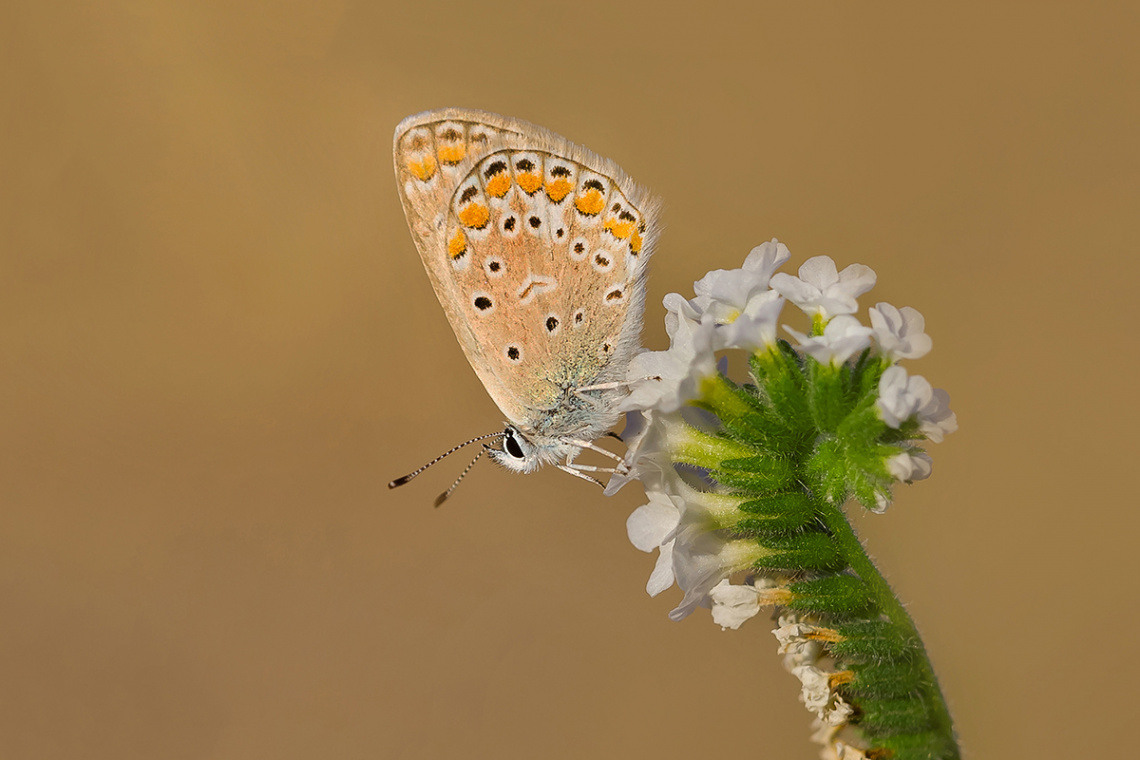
{"x":512,"y":447}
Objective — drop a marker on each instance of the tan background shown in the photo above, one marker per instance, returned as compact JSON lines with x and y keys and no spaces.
{"x":217,"y":345}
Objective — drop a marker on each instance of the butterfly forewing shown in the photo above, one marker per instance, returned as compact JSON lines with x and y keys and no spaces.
{"x":537,"y":251}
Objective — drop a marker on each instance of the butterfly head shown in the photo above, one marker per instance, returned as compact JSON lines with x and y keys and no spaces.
{"x":516,"y":452}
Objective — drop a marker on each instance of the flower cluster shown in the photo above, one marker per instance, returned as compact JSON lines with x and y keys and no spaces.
{"x":749,"y":479}
{"x":740,"y":309}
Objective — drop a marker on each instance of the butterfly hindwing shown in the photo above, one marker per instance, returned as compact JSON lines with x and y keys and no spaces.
{"x":536,"y":248}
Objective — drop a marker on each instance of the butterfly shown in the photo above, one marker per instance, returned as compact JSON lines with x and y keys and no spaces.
{"x":537,"y":250}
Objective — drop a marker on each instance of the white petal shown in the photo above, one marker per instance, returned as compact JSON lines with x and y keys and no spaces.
{"x":820,"y":289}
{"x":796,"y":290}
{"x":882,"y":501}
{"x":843,"y":338}
{"x":678,"y":311}
{"x":901,"y":396}
{"x":755,"y":329}
{"x":820,"y":272}
{"x":899,"y":333}
{"x":857,"y":279}
{"x":922,"y":465}
{"x":936,"y":421}
{"x":681,"y":369}
{"x":796,"y":648}
{"x":650,"y":523}
{"x":898,"y":466}
{"x":733,"y":604}
{"x":766,"y":258}
{"x":836,"y":714}
{"x":816,"y":691}
{"x":662,"y":576}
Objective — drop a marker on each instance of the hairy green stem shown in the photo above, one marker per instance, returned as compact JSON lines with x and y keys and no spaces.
{"x":856,"y":556}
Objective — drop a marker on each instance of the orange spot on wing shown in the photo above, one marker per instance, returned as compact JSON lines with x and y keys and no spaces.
{"x":423,"y":169}
{"x":529,"y":182}
{"x":558,"y":189}
{"x":498,"y":185}
{"x":635,"y":242}
{"x":620,"y":230}
{"x":457,"y":246}
{"x":475,"y":215}
{"x":452,"y":154}
{"x":590,"y":202}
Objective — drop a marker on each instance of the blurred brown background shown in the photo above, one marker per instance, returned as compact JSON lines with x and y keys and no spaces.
{"x":217,"y":345}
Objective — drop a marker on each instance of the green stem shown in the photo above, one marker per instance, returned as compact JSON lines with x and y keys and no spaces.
{"x":856,"y":556}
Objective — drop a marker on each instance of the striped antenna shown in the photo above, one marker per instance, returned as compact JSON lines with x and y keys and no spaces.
{"x":401,"y":481}
{"x":443,"y":496}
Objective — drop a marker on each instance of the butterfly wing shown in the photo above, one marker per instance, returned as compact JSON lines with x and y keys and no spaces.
{"x":537,"y":251}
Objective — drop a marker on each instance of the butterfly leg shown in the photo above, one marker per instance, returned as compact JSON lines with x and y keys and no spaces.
{"x":583,"y":476}
{"x":592,"y":468}
{"x":592,"y":447}
{"x":571,"y":464}
{"x":613,"y":386}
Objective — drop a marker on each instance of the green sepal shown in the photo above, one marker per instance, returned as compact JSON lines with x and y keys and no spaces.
{"x":862,"y":427}
{"x":893,"y":716}
{"x":803,"y":551}
{"x":829,"y":394}
{"x":778,"y":513}
{"x":737,"y":413}
{"x":840,"y":469}
{"x":831,"y":595}
{"x":884,"y":680}
{"x":774,"y":435}
{"x":870,"y":641}
{"x":706,"y":450}
{"x":865,"y":373}
{"x":757,"y":475}
{"x":779,"y":378}
{"x":827,"y":468}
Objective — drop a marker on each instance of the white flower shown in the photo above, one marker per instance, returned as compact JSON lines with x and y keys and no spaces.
{"x":650,"y":527}
{"x":681,"y":368}
{"x":816,"y":686}
{"x":838,"y":712}
{"x":899,"y":332}
{"x":818,"y":697}
{"x":822,"y":290}
{"x":842,"y":338}
{"x":795,"y":646}
{"x":680,"y":521}
{"x":733,"y":604}
{"x":755,"y":328}
{"x":647,"y":455}
{"x":936,"y":421}
{"x":737,"y":301}
{"x":725,"y":294}
{"x":678,"y":311}
{"x":882,"y":501}
{"x":702,"y":557}
{"x":909,"y":467}
{"x":900,"y":396}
